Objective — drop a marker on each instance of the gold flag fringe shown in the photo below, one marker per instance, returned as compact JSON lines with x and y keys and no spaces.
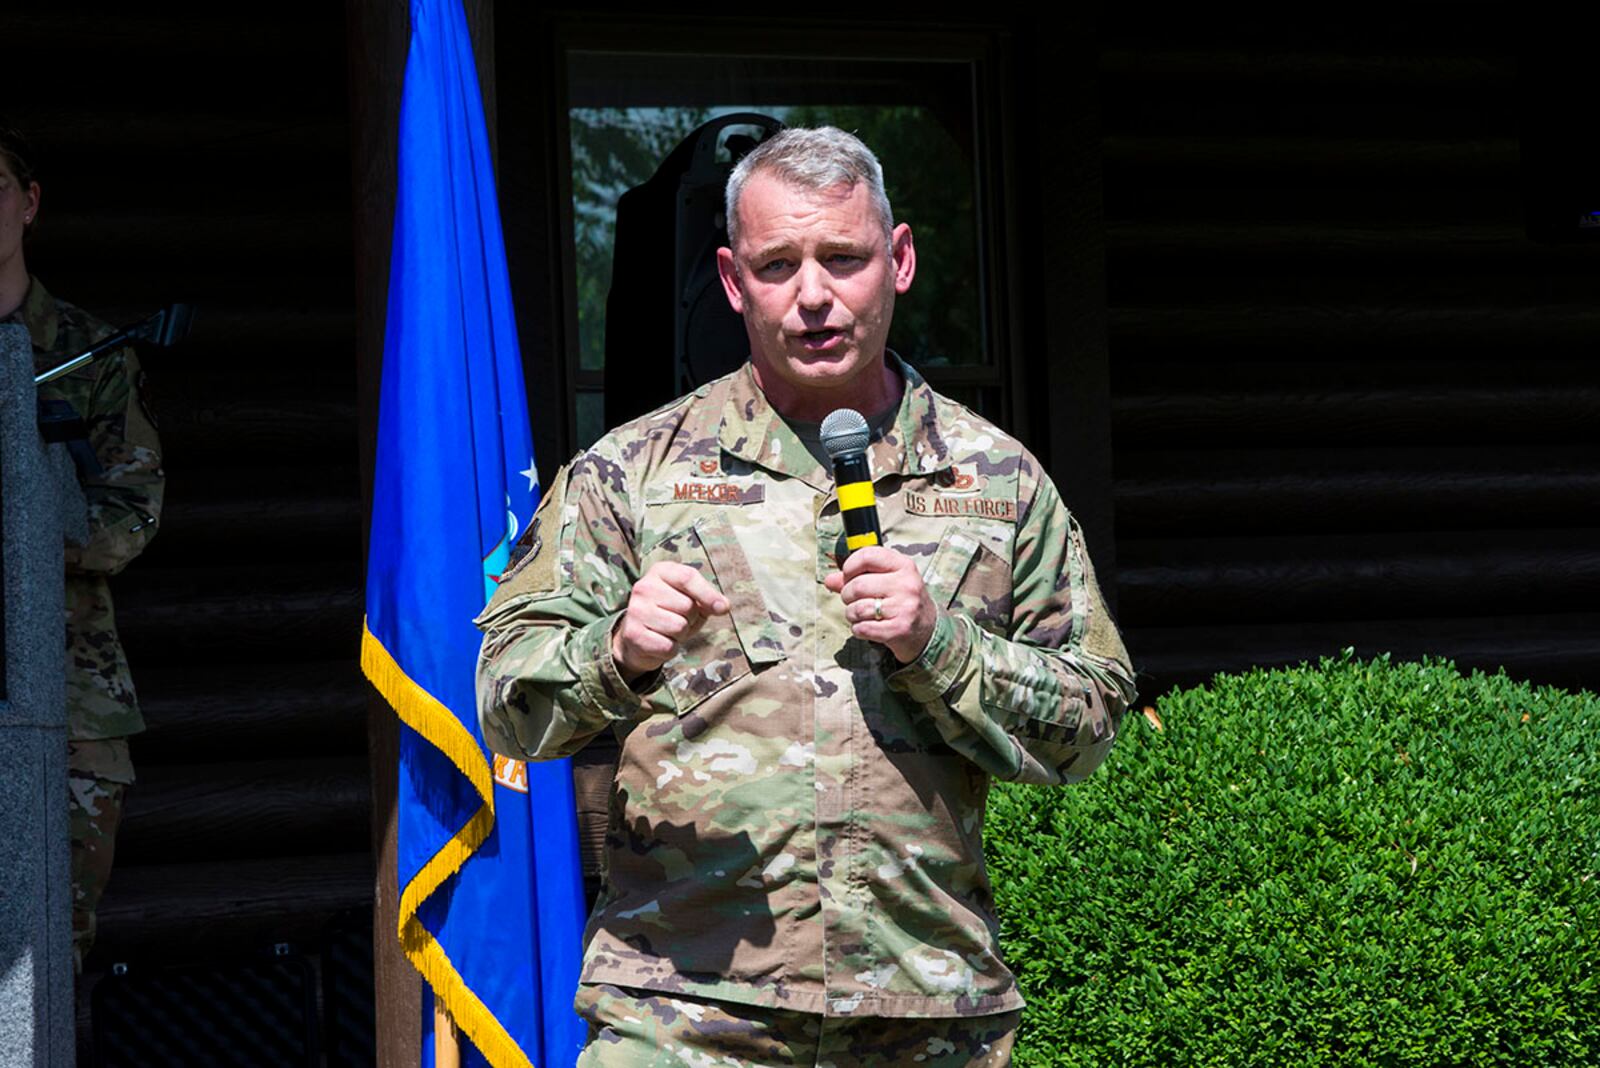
{"x":426,"y":715}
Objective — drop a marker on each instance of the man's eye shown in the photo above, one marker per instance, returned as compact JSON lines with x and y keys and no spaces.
{"x":772,"y":266}
{"x":843,"y":259}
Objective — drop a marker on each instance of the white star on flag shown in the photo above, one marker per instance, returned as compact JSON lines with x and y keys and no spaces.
{"x":533,"y":475}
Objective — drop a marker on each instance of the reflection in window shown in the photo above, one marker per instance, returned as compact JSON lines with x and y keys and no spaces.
{"x":629,"y":111}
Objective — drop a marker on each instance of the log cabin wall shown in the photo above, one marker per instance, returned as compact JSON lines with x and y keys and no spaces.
{"x":1353,"y":403}
{"x":206,"y":158}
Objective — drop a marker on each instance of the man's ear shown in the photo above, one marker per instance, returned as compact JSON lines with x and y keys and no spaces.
{"x":904,"y":254}
{"x":728,"y":271}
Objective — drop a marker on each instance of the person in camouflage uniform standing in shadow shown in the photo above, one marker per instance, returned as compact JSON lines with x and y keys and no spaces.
{"x":119,"y":471}
{"x":794,"y":860}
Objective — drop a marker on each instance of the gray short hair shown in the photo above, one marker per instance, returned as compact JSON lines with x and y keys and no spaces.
{"x":813,"y":159}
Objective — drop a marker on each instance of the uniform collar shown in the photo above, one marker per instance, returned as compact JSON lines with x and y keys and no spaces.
{"x":753,"y":431}
{"x":38,"y":313}
{"x":912,"y":444}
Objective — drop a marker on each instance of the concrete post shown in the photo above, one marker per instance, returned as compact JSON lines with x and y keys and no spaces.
{"x":36,"y":1002}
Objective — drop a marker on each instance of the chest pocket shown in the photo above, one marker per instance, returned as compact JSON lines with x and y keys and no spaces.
{"x":726,"y":648}
{"x":967,"y":576}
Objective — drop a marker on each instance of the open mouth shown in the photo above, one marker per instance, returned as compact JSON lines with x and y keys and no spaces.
{"x":820,"y":339}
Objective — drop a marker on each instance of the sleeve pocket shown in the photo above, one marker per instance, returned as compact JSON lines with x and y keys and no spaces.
{"x":1026,"y":694}
{"x":967,"y":577}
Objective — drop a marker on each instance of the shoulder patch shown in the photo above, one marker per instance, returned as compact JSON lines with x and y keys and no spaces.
{"x":533,"y":567}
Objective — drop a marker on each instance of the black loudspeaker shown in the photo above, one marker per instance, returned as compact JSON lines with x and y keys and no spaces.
{"x":668,"y":324}
{"x":251,"y":1014}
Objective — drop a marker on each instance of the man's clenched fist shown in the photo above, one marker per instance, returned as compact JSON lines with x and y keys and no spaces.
{"x":885,"y":601}
{"x":665,"y":609}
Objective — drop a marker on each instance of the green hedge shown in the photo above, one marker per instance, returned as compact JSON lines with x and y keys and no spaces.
{"x":1361,"y":863}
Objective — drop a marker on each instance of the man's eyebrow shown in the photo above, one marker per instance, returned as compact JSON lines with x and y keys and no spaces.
{"x":772,"y":251}
{"x":829,"y":243}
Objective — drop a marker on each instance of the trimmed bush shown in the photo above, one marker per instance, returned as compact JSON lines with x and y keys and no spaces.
{"x":1361,"y":863}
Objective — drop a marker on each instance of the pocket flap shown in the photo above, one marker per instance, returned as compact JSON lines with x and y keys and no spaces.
{"x":757,"y":633}
{"x":948,"y":567}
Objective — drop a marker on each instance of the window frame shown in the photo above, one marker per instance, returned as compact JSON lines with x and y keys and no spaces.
{"x":985,"y":47}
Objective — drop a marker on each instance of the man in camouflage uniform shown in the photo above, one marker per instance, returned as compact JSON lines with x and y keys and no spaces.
{"x":795,"y":848}
{"x":119,"y":470}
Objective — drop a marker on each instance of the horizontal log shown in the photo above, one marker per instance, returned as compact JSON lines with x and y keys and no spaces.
{"x":313,"y":430}
{"x":1241,"y":332}
{"x":1395,"y":284}
{"x":1351,"y":162}
{"x":1242,"y":246}
{"x":243,"y":365}
{"x":203,"y":374}
{"x":216,"y":711}
{"x":198,"y":528}
{"x":236,"y":163}
{"x":296,"y":255}
{"x":247,"y":809}
{"x":1413,"y":29}
{"x":181,"y":44}
{"x":1440,"y":415}
{"x":1352,"y":372}
{"x":1557,"y":650}
{"x":195,"y":401}
{"x":1411,"y":260}
{"x":1260,"y":580}
{"x":171,"y":913}
{"x":98,"y":126}
{"x":124,"y":284}
{"x":304,"y":338}
{"x":1146,"y":200}
{"x":1281,"y":491}
{"x":285,"y":611}
{"x":1302,"y":110}
{"x":1282,"y":68}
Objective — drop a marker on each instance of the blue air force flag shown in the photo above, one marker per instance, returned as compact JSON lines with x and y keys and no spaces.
{"x":491,"y":902}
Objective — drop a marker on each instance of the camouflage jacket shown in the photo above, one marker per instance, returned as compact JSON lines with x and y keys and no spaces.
{"x":124,"y":502}
{"x":797,"y":819}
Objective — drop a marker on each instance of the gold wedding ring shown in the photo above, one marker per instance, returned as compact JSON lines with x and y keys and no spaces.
{"x":877,"y":608}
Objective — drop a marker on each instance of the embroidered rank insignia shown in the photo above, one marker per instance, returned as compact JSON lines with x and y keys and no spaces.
{"x":962,"y":480}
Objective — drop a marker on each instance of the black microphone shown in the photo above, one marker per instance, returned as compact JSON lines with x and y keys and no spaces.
{"x":845,"y":437}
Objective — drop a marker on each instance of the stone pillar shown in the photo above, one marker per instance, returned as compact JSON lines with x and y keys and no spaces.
{"x":36,"y":1003}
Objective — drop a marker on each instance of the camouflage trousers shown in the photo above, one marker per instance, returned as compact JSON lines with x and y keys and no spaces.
{"x":98,"y":774}
{"x":641,"y":1029}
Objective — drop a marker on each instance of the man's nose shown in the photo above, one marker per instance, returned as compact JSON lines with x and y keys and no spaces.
{"x":814,"y":289}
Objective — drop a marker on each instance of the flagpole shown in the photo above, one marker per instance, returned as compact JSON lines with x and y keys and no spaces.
{"x":446,"y":1039}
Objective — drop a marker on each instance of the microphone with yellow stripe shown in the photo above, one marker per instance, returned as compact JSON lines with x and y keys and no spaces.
{"x":845,"y":437}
